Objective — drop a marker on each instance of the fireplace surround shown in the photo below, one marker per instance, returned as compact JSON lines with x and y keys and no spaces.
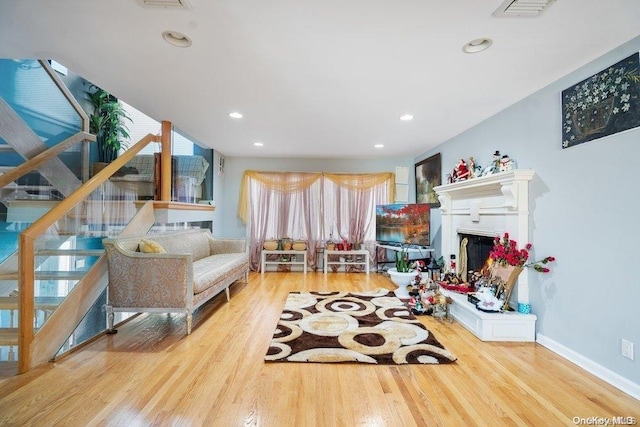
{"x":489,"y":206}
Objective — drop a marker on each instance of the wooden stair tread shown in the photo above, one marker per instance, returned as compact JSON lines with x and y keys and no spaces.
{"x":8,"y":336}
{"x":69,"y":252}
{"x":48,"y":275}
{"x":41,"y":303}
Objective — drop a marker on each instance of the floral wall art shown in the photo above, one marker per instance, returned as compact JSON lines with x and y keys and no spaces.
{"x":604,"y":104}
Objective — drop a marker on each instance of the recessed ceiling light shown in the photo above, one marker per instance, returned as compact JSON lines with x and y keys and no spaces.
{"x":379,"y":146}
{"x":258,"y":144}
{"x":406,"y":117}
{"x":235,"y":115}
{"x":477,"y":45}
{"x":177,"y":39}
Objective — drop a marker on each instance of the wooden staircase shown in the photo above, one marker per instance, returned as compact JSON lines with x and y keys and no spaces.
{"x":80,"y":259}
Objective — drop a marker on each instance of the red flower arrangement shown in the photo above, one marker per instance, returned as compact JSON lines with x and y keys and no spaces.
{"x":505,"y":252}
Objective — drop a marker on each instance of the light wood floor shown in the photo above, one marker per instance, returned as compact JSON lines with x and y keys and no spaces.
{"x":151,"y":373}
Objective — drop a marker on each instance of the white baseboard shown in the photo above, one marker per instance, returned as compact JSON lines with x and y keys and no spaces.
{"x":616,"y":380}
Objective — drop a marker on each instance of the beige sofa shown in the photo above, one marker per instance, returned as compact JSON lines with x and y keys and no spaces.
{"x":195,"y":268}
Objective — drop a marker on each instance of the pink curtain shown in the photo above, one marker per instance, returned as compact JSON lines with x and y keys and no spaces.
{"x":339,"y":209}
{"x":349,"y":214}
{"x":276,"y":214}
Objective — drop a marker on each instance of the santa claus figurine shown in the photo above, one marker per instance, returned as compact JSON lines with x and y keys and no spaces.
{"x":462,"y":170}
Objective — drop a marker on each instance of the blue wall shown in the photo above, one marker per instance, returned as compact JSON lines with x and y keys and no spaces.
{"x":584,"y":205}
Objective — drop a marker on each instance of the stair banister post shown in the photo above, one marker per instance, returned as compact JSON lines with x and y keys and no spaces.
{"x":26,"y":278}
{"x":165,"y":162}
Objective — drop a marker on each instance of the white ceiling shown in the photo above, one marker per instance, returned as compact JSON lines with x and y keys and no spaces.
{"x":317,"y":78}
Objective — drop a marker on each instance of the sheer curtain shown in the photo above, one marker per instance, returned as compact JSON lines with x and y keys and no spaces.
{"x":312,"y":207}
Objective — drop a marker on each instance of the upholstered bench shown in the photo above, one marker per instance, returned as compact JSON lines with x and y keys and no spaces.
{"x":172,"y":272}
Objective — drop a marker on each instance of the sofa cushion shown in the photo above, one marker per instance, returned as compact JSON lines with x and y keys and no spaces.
{"x":151,"y":247}
{"x":195,"y":242}
{"x":214,"y":269}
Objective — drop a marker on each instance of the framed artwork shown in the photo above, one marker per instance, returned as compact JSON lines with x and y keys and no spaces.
{"x":602,"y":105}
{"x":428,"y":176}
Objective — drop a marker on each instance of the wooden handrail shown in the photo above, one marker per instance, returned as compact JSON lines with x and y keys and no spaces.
{"x":26,"y":249}
{"x":84,"y":118}
{"x":48,"y":219}
{"x":43,"y":157}
{"x":67,"y":94}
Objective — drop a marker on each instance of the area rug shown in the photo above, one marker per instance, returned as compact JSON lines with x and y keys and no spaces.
{"x":363,"y":327}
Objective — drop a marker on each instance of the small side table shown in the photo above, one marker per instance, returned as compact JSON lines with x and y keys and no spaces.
{"x":290,"y":261}
{"x":362,"y":252}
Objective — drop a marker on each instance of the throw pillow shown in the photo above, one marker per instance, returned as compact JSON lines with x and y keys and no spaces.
{"x":151,"y":247}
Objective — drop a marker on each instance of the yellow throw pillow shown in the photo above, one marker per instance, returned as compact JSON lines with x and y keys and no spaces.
{"x":151,"y":247}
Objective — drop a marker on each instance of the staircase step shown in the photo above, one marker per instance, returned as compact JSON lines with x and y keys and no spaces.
{"x":41,"y":303}
{"x":8,"y":336}
{"x":27,"y":210}
{"x":69,"y":252}
{"x":48,"y":275}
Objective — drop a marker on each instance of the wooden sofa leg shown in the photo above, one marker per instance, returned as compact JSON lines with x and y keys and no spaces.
{"x":226,"y":290}
{"x":189,"y":323}
{"x":110,"y":330}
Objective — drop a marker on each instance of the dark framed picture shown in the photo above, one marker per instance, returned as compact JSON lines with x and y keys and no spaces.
{"x":604,"y":104}
{"x":428,"y":176}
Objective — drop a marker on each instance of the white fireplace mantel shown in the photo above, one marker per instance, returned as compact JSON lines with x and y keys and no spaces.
{"x":490,"y":206}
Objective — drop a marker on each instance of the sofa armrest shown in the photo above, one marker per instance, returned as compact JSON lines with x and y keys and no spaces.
{"x":148,"y":280}
{"x":227,"y":246}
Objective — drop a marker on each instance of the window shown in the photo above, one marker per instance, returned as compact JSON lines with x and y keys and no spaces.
{"x":312,"y":207}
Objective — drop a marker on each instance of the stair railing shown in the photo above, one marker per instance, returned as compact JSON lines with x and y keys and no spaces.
{"x":79,"y":110}
{"x":45,"y":156}
{"x":35,"y":349}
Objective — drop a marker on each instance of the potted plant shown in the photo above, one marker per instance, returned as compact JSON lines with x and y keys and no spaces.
{"x":107,"y":123}
{"x":403,"y":272}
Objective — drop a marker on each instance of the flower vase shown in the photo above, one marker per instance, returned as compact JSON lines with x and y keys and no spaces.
{"x":508,"y":275}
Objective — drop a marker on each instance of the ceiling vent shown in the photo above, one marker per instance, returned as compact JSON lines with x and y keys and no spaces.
{"x":526,"y":8}
{"x":165,"y":4}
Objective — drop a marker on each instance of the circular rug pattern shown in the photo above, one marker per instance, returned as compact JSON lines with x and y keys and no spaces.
{"x":293,"y":315}
{"x":366,"y":327}
{"x":421,"y":353}
{"x":407,"y":333}
{"x":328,"y":324}
{"x":351,"y":305}
{"x":387,"y":301}
{"x":286,"y":331}
{"x":277,"y":351}
{"x":301,"y":300}
{"x":370,"y":340}
{"x":330,"y":355}
{"x":396,"y":314}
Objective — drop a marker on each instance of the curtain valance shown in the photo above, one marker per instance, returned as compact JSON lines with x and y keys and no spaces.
{"x":293,"y":182}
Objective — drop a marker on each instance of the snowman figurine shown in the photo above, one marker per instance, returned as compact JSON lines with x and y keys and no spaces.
{"x":507,"y":164}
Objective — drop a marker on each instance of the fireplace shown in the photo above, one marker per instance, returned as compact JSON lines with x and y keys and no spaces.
{"x":481,"y":209}
{"x":477,"y":250}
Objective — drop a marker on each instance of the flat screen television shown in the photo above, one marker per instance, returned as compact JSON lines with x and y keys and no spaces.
{"x":403,"y":223}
